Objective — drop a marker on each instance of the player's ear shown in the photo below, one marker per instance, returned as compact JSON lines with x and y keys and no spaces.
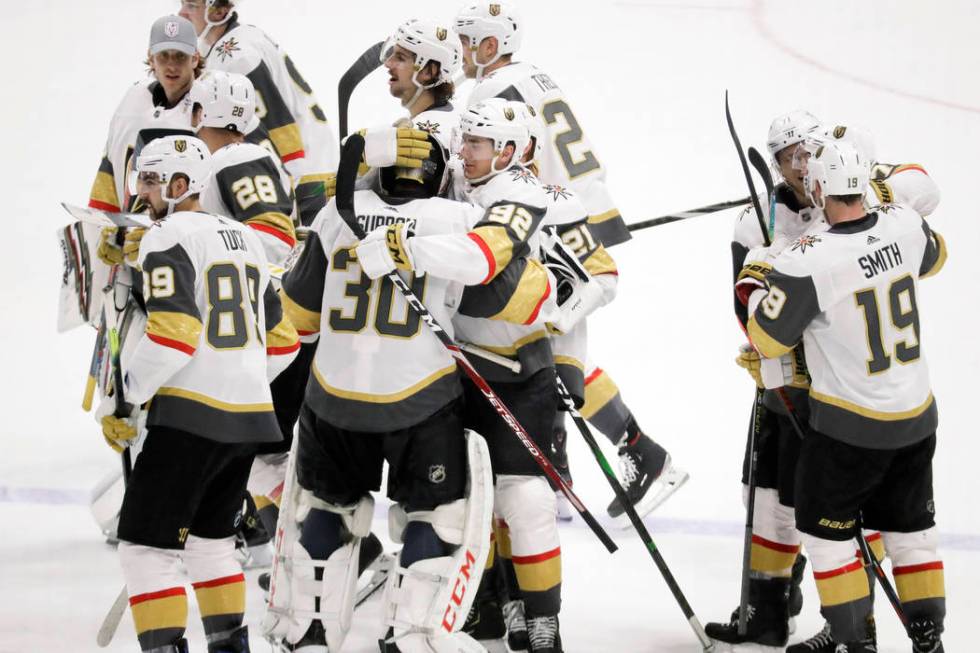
{"x":489,"y":46}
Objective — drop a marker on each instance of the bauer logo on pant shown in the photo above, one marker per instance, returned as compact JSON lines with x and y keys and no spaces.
{"x":437,"y":473}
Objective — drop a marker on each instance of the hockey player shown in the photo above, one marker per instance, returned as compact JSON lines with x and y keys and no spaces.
{"x":383,"y":388}
{"x":867,"y":458}
{"x":289,"y":112}
{"x":421,"y":58}
{"x":210,"y":310}
{"x":491,"y":34}
{"x":249,"y":183}
{"x":153,"y":107}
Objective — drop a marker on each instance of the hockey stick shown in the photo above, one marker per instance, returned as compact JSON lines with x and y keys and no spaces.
{"x":480,"y":352}
{"x":757,"y":406}
{"x":364,"y":66}
{"x":684,"y":215}
{"x":638,"y":524}
{"x":870,"y":560}
{"x":110,"y":624}
{"x":346,"y":176}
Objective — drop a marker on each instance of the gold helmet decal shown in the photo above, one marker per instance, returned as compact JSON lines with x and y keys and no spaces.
{"x":494,"y":10}
{"x":531,"y":111}
{"x":819,"y":152}
{"x":839,"y":131}
{"x":180,"y":145}
{"x":508,"y":113}
{"x":441,"y":33}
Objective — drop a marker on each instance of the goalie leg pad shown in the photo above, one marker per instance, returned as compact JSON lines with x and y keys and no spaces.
{"x":427,"y":603}
{"x":529,"y":507}
{"x":325,"y":587}
{"x":775,"y":540}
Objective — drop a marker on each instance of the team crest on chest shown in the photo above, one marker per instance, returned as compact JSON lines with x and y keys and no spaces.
{"x":227,"y":49}
{"x":803,"y":242}
{"x":428,"y":126}
{"x":557,"y":192}
{"x":522,"y":174}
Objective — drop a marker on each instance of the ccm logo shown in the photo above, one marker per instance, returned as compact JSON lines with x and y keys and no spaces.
{"x":459,"y":591}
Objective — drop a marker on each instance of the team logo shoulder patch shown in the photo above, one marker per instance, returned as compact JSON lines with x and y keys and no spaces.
{"x":427,"y":126}
{"x":804,"y":242}
{"x":557,"y":192}
{"x":437,"y":473}
{"x":228,"y":48}
{"x":522,"y":174}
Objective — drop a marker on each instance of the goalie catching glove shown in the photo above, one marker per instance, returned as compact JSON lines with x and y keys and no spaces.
{"x":111,"y":253}
{"x":387,"y":249}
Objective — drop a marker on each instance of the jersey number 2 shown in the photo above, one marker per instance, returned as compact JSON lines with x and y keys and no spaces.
{"x":567,"y":138}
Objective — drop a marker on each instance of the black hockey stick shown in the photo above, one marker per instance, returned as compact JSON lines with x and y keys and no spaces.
{"x":870,"y":560}
{"x":350,"y":157}
{"x":684,"y":215}
{"x":364,"y":66}
{"x":757,"y":407}
{"x":637,"y":522}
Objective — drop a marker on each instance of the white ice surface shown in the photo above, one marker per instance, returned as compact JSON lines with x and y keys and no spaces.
{"x":646,"y":81}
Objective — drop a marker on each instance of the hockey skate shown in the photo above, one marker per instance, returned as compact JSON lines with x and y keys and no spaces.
{"x":926,"y":635}
{"x":543,"y":635}
{"x":516,"y":626}
{"x":822,"y":642}
{"x":649,"y":478}
{"x":767,"y":628}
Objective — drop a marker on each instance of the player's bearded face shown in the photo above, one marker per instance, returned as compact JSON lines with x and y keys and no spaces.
{"x":477,"y":154}
{"x":150,"y":192}
{"x":400,"y":64}
{"x":174,"y":70}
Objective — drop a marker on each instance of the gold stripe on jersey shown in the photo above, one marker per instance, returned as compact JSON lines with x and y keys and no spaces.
{"x":600,"y":262}
{"x":570,"y":361}
{"x":501,"y":248}
{"x":764,"y":343}
{"x":282,"y":338}
{"x":531,"y":291}
{"x":599,"y":390}
{"x":281,"y":223}
{"x":305,"y":321}
{"x":178,"y":330}
{"x":103,"y":195}
{"x":870,"y":413}
{"x":512,"y":350}
{"x":287,"y":140}
{"x":214,"y":403}
{"x":883,"y":191}
{"x":385,"y":398}
{"x":940,"y":258}
{"x":602,"y":217}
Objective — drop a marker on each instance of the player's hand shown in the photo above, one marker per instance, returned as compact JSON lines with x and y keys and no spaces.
{"x":119,"y":432}
{"x":109,"y":251}
{"x":749,"y":360}
{"x":395,"y":146}
{"x":385,"y":250}
{"x":131,"y":246}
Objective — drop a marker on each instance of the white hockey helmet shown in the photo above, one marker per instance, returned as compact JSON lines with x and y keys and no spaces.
{"x":529,"y":118}
{"x":202,"y":44}
{"x":169,"y":156}
{"x":496,"y":119}
{"x":227,"y":101}
{"x":789,"y":129}
{"x":501,"y":20}
{"x":839,"y":169}
{"x":861,"y":138}
{"x":428,"y":40}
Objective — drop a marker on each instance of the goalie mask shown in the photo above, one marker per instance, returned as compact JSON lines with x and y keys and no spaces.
{"x":227,"y":101}
{"x":165,"y":158}
{"x":428,"y":41}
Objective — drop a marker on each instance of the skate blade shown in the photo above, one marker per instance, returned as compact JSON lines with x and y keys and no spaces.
{"x":661,"y":490}
{"x":565,"y":512}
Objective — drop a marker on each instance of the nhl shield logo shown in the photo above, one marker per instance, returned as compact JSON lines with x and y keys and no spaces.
{"x":441,"y":33}
{"x":180,"y":145}
{"x":494,"y":10}
{"x":437,"y":473}
{"x":508,"y":113}
{"x":171,"y":29}
{"x":839,"y":131}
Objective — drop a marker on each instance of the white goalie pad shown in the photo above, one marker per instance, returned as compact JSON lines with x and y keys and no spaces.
{"x":427,"y":608}
{"x":83,"y":276}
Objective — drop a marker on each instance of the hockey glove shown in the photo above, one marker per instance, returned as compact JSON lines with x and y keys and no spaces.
{"x":749,"y":360}
{"x":396,"y":146}
{"x":787,"y":370}
{"x":109,"y":251}
{"x":119,"y":432}
{"x":387,"y":249}
{"x":131,"y":246}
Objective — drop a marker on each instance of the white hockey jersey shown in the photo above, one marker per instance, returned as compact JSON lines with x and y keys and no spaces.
{"x":142,"y":115}
{"x":285,"y":103}
{"x":377,"y":367}
{"x":567,"y":157}
{"x":849,"y":293}
{"x":215,"y":333}
{"x":249,"y":185}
